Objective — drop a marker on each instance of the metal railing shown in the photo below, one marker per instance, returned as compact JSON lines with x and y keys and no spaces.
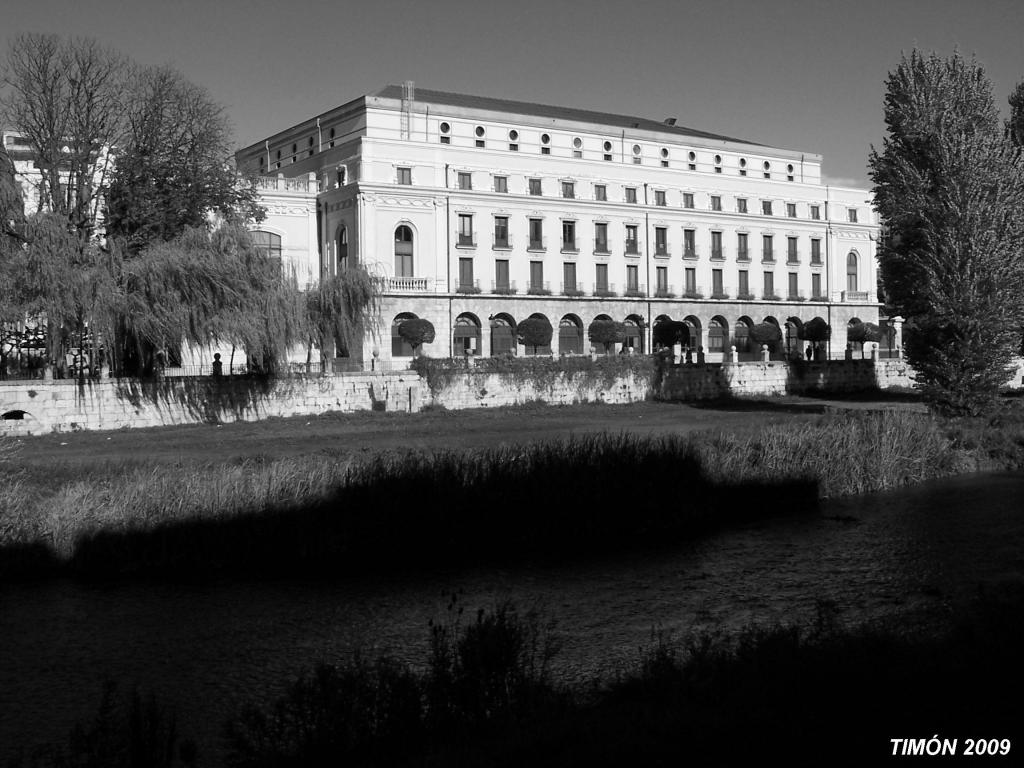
{"x":468,"y":286}
{"x":466,"y":240}
{"x":632,"y":247}
{"x":572,"y":289}
{"x":604,"y":289}
{"x":635,"y":291}
{"x":538,"y":288}
{"x":538,"y":245}
{"x":506,"y":288}
{"x":502,"y":243}
{"x":690,"y":251}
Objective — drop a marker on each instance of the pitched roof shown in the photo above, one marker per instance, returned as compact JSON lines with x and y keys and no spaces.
{"x":545,"y":110}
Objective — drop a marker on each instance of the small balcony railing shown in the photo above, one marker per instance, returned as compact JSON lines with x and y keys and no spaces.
{"x":605,"y":289}
{"x":767,"y":257}
{"x":466,"y":240}
{"x":793,"y":257}
{"x":855,"y":295}
{"x":693,"y":292}
{"x":468,"y":286}
{"x":538,"y":288}
{"x":744,"y":295}
{"x":572,"y":289}
{"x":818,"y":296}
{"x":632,"y":248}
{"x":816,"y":260}
{"x":570,"y":246}
{"x":720,"y":292}
{"x":661,"y":249}
{"x":503,"y":287}
{"x":690,"y":251}
{"x":664,"y":292}
{"x":410,"y":284}
{"x":770,"y":296}
{"x":540,"y":244}
{"x":796,"y":296}
{"x":602,"y":247}
{"x":636,"y":291}
{"x":743,"y":255}
{"x":717,"y":254}
{"x":502,"y":243}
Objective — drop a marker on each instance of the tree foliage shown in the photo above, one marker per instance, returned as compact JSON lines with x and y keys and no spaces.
{"x":606,"y":332}
{"x":765,"y":333}
{"x":1015,"y":126}
{"x":337,"y":309}
{"x":417,"y":332}
{"x":534,"y":332}
{"x":816,"y":330}
{"x":670,"y":332}
{"x":863,"y":332}
{"x":949,"y":185}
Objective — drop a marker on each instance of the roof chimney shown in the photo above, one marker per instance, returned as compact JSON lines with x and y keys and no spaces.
{"x":669,"y":121}
{"x":409,"y":90}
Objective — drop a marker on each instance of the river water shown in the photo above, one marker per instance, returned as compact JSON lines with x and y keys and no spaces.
{"x":206,"y":648}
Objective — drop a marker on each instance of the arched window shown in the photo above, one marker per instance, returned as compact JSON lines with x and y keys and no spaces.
{"x":570,"y":336}
{"x":741,"y":335}
{"x":791,"y":335}
{"x":466,"y":335}
{"x":851,"y":271}
{"x":717,"y":335}
{"x":341,"y":245}
{"x":399,"y":346}
{"x":634,"y":334}
{"x":267,"y":243}
{"x":503,"y":339}
{"x":403,"y":252}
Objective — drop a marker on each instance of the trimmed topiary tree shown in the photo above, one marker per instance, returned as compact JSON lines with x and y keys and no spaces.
{"x":862,"y":332}
{"x":534,"y":332}
{"x":766,"y":333}
{"x":670,"y":332}
{"x":604,"y":333}
{"x":417,"y":332}
{"x":816,"y":330}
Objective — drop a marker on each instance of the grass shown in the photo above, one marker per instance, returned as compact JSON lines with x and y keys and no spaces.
{"x":400,"y":508}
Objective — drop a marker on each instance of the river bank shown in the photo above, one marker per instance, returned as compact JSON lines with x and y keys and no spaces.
{"x":396,"y":508}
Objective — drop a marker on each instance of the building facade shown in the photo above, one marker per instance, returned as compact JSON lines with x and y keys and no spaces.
{"x":479,"y":212}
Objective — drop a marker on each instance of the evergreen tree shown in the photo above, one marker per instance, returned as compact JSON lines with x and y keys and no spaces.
{"x":950,"y":188}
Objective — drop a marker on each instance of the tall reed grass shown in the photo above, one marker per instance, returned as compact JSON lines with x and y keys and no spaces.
{"x":397,"y":507}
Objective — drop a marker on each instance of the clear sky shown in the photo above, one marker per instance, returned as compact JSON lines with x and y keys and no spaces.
{"x":802,"y":74}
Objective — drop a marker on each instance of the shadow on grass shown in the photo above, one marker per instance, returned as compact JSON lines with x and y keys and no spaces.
{"x":547,"y":501}
{"x":758,"y":405}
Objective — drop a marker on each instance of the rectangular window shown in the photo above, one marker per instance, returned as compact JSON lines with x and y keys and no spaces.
{"x":815,"y":211}
{"x":465,"y":273}
{"x":691,"y":281}
{"x":513,"y":147}
{"x":769,"y":285}
{"x":792,"y":256}
{"x":815,"y":286}
{"x":535,"y":187}
{"x":630,"y":194}
{"x":744,"y":287}
{"x":716,"y":245}
{"x":601,"y":277}
{"x":689,"y":243}
{"x":717,"y":289}
{"x":501,"y":274}
{"x":501,"y":232}
{"x":480,"y":143}
{"x":466,"y":229}
{"x":569,"y":278}
{"x":577,"y":154}
{"x":600,"y":192}
{"x":501,"y":184}
{"x":465,"y":180}
{"x":568,"y":189}
{"x":767,"y":249}
{"x":794,"y":292}
{"x":660,"y":241}
{"x":446,"y":139}
{"x":601,"y":238}
{"x":741,"y":205}
{"x":536,"y":234}
{"x":536,"y":275}
{"x":545,"y":150}
{"x":687,"y":199}
{"x":791,"y":210}
{"x":662,"y":274}
{"x":405,"y":176}
{"x":569,"y":236}
{"x":851,"y":215}
{"x":632,"y":245}
{"x":815,"y":251}
{"x":632,"y":277}
{"x":766,"y":207}
{"x":716,"y":202}
{"x":659,"y":197}
{"x":742,"y":254}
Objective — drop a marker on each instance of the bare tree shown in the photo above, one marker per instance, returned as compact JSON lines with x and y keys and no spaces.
{"x":66,"y":97}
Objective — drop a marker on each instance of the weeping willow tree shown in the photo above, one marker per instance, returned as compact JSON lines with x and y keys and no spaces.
{"x":338,"y":310}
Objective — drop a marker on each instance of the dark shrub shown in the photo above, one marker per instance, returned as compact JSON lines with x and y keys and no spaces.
{"x":670,"y":332}
{"x":765,"y":333}
{"x":816,"y":330}
{"x":606,"y":332}
{"x":534,"y":332}
{"x":862,"y":332}
{"x":417,"y":332}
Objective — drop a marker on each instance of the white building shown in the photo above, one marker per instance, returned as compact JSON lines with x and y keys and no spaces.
{"x":480,"y":212}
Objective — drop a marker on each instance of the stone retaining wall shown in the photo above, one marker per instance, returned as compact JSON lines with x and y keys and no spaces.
{"x":67,"y":406}
{"x":489,"y":390}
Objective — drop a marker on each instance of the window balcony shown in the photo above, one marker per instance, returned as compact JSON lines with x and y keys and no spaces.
{"x":746,"y":295}
{"x":605,"y":290}
{"x":793,"y":258}
{"x":690,"y":251}
{"x":771,"y":297}
{"x":503,"y":288}
{"x":717,"y":254}
{"x":466,"y":240}
{"x":538,"y":288}
{"x":743,"y":255}
{"x":570,"y":246}
{"x":632,"y":248}
{"x":796,"y":296}
{"x":538,"y":245}
{"x":664,"y":292}
{"x":502,"y":243}
{"x":408,"y":284}
{"x":816,"y":261}
{"x":693,"y":292}
{"x":855,"y":296}
{"x":468,"y":286}
{"x":636,"y":291}
{"x":720,"y":293}
{"x":602,"y":248}
{"x":767,"y":257}
{"x":819,"y":296}
{"x":661,"y":250}
{"x":572,"y":289}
